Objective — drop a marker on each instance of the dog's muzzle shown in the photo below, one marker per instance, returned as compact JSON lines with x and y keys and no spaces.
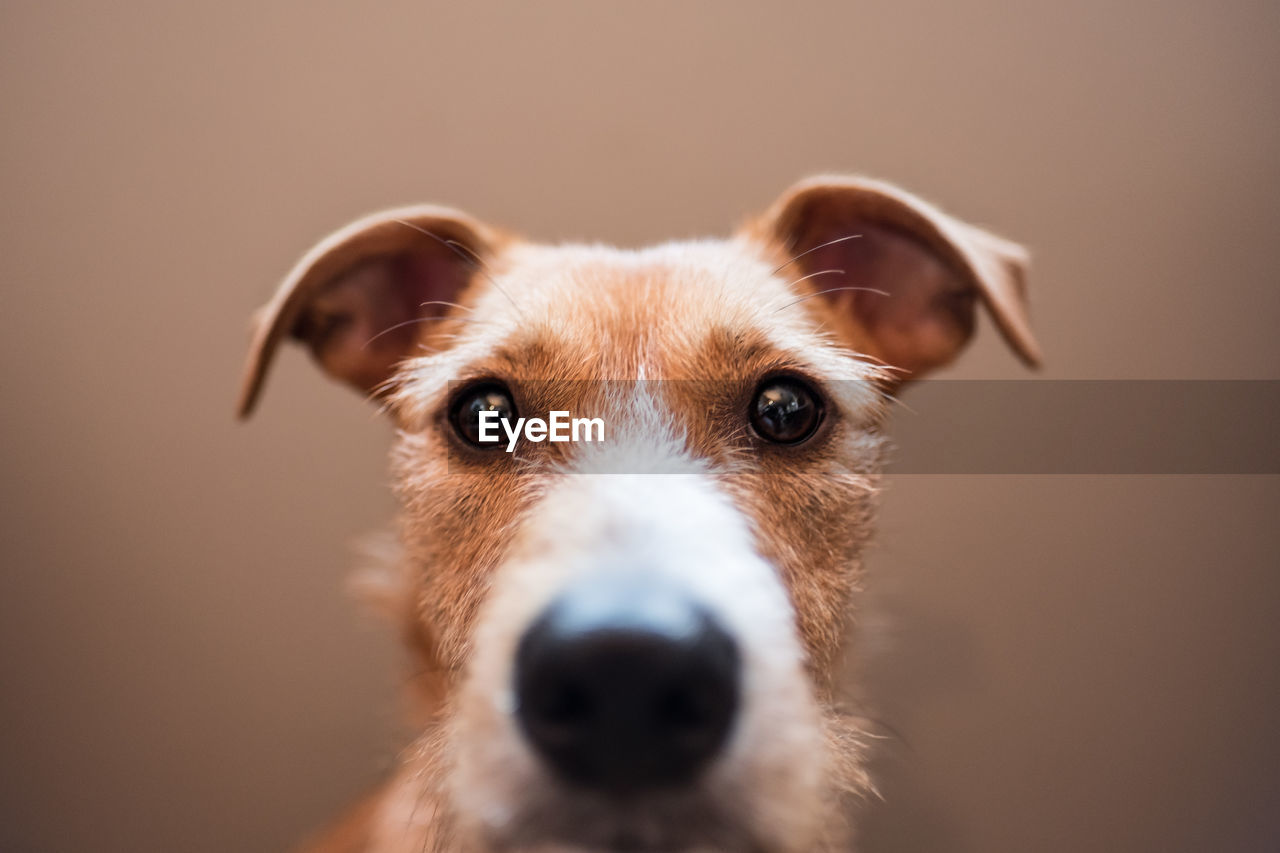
{"x":625,"y":684}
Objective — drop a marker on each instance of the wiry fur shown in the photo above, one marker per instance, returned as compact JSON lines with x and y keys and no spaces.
{"x":667,"y":344}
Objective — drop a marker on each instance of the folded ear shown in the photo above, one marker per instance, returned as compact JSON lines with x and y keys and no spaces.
{"x":899,"y":276}
{"x":356,"y":298}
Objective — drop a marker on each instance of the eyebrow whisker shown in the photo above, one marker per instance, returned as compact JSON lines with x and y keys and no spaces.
{"x":814,"y":249}
{"x":445,"y":302}
{"x":832,"y":290}
{"x":409,"y":323}
{"x":466,"y":254}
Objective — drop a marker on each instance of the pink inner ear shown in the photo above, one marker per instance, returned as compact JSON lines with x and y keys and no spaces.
{"x":895,"y":300}
{"x":363,"y":324}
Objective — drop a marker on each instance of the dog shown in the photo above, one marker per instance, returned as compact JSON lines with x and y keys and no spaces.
{"x":632,"y":644}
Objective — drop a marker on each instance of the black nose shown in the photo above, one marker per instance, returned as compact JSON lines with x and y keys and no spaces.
{"x":625,"y":684}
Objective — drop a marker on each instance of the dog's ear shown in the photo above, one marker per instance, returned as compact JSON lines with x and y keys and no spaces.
{"x":356,"y":298}
{"x":900,"y":276}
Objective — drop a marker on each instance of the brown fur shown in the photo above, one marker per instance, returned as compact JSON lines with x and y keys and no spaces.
{"x":564,"y":326}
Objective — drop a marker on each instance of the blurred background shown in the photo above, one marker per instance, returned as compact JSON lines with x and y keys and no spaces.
{"x":1070,"y":663}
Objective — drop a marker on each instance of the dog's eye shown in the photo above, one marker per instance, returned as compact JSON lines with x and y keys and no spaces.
{"x":484,"y":397}
{"x":785,"y":411}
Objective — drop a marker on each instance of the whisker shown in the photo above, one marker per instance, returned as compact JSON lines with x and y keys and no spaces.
{"x":466,"y":254}
{"x":479,"y":261}
{"x":402,"y":325}
{"x":831,"y":290}
{"x":445,"y":302}
{"x":814,"y":249}
{"x":814,"y":275}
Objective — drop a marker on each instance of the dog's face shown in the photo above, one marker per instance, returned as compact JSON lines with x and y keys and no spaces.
{"x":634,"y":638}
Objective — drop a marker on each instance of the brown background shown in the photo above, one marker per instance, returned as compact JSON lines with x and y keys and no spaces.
{"x":1072,"y":663}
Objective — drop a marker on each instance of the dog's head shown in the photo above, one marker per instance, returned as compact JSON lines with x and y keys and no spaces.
{"x":634,"y":639}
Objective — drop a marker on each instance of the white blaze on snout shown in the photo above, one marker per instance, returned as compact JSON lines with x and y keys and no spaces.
{"x":682,"y":528}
